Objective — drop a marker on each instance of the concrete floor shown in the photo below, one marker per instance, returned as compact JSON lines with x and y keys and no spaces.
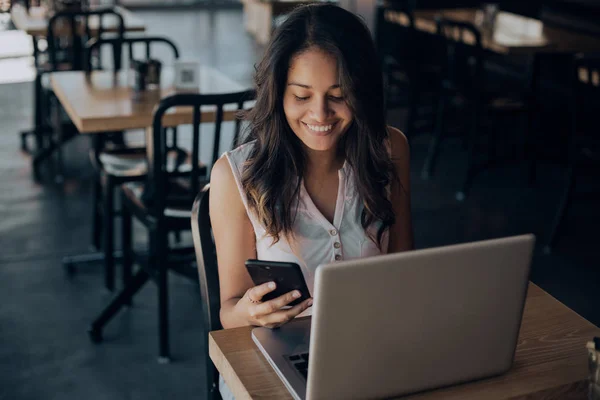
{"x":44,"y":349}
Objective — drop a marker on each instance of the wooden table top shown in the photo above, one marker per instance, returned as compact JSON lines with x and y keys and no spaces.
{"x":511,"y":34}
{"x":35,"y":22}
{"x":550,"y":360}
{"x":103,"y":101}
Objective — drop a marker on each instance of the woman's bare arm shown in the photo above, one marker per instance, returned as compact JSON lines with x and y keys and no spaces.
{"x":235,"y":241}
{"x":401,"y":233}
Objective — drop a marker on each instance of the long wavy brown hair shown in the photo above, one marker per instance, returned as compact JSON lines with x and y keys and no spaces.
{"x":272,"y":174}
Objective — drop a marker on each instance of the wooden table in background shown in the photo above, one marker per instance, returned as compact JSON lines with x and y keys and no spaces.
{"x":103,"y":102}
{"x":511,"y":34}
{"x":35,"y":22}
{"x":550,"y":360}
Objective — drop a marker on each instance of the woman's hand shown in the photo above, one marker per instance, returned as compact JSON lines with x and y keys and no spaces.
{"x":270,"y":313}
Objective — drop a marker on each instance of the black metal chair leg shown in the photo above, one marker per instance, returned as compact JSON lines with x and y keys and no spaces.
{"x":118,"y":138}
{"x":160,"y":261}
{"x":96,"y":214}
{"x":138,"y":280}
{"x":39,"y":157}
{"x":177,"y":236}
{"x":562,"y":211}
{"x":127,"y":246}
{"x":108,"y":233}
{"x":97,"y":144}
{"x":37,"y":118}
{"x":24,"y":147}
{"x":434,"y":144}
{"x":47,"y":151}
{"x":61,"y":138}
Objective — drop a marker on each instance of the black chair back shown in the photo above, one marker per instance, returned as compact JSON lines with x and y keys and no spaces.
{"x":94,"y":46}
{"x":585,"y":103}
{"x":395,"y":31}
{"x":159,"y":187}
{"x":208,"y":273}
{"x":464,"y":57}
{"x":395,"y":38}
{"x":68,"y":31}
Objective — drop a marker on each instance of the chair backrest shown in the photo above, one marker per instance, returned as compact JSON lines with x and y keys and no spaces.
{"x":395,"y":30}
{"x":208,"y":273}
{"x":68,"y":31}
{"x":159,"y":186}
{"x":585,"y":101}
{"x":464,"y":57}
{"x":94,"y":46}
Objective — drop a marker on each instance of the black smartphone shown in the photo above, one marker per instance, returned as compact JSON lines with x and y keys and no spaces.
{"x":286,"y":275}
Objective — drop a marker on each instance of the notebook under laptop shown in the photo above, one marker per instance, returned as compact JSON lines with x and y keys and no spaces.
{"x":402,"y":323}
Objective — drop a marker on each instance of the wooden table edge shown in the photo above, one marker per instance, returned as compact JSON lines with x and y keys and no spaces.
{"x":94,"y":125}
{"x":229,"y":375}
{"x":60,"y":95}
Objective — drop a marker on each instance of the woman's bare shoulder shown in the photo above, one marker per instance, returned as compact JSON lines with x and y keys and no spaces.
{"x":223,"y":186}
{"x":221,"y":173}
{"x":399,"y":144}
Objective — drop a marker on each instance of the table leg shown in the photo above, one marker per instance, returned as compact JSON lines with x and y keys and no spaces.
{"x":59,"y":131}
{"x":38,"y":130}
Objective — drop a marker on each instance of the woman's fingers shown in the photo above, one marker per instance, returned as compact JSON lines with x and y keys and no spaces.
{"x":256,"y":293}
{"x":276,"y":319}
{"x":276,"y":304}
{"x":270,"y":313}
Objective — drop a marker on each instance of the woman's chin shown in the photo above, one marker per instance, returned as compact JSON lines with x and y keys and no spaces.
{"x":320,"y":143}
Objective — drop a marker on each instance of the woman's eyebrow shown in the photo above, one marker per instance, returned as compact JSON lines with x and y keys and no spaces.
{"x":336,"y":86}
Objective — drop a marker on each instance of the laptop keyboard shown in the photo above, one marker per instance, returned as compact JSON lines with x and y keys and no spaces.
{"x":300,"y":362}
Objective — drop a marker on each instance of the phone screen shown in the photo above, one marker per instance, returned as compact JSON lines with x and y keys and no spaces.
{"x":286,"y":275}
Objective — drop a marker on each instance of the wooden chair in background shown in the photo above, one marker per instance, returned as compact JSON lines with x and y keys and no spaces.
{"x":163,"y":204}
{"x":67,"y":33}
{"x":208,"y":273}
{"x":480,"y":105}
{"x":117,"y":164}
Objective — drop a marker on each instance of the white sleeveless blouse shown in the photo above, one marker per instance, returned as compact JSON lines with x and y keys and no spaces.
{"x":315,"y":241}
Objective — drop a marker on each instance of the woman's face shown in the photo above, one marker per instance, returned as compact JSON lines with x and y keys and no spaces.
{"x":313,"y":102}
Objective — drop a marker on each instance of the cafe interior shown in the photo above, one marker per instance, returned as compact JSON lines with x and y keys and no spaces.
{"x":108,"y":285}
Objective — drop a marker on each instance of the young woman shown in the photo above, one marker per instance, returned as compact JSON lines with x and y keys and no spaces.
{"x":321,"y":177}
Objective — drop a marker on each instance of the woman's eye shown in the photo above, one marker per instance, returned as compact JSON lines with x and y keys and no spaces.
{"x":300,"y":98}
{"x":336,"y":98}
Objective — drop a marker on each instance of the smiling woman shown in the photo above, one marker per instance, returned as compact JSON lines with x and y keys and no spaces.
{"x":320,"y":177}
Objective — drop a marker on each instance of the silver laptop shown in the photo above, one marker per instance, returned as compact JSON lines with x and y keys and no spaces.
{"x":402,"y":323}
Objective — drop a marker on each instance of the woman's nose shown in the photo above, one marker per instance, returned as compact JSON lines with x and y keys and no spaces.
{"x":320,"y":110}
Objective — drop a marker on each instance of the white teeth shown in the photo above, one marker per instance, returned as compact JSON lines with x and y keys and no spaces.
{"x":319,"y":128}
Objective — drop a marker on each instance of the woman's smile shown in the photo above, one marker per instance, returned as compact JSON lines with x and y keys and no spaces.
{"x":320,"y":129}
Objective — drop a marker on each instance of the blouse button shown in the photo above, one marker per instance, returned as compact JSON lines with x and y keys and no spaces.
{"x":333,"y":232}
{"x":337,"y":245}
{"x":338,"y":257}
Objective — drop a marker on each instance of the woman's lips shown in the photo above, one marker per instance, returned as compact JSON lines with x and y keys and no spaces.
{"x":320,"y":132}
